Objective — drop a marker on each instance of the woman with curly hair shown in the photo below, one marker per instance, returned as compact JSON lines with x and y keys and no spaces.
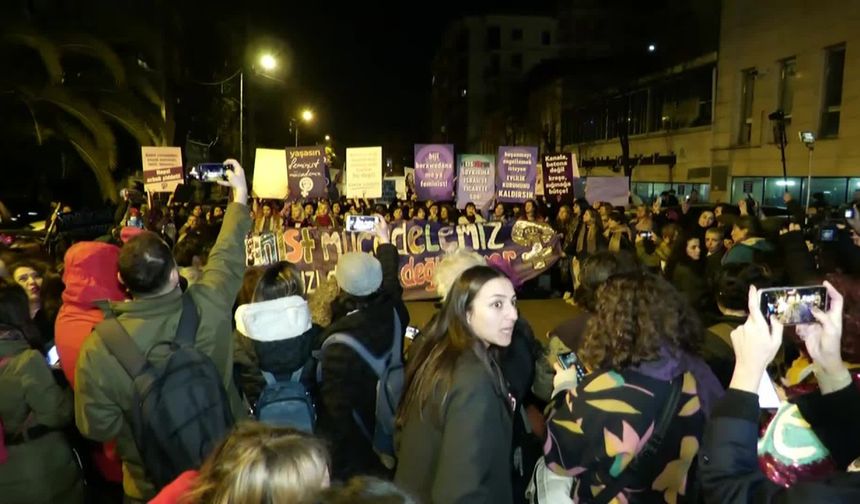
{"x":641,"y":352}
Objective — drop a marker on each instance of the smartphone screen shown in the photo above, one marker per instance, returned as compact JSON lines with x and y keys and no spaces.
{"x":360,"y":223}
{"x":827,"y":235}
{"x":646,"y":234}
{"x":849,"y":213}
{"x":411,"y":332}
{"x":209,"y":172}
{"x":568,"y":360}
{"x":793,"y":305}
{"x":53,"y":357}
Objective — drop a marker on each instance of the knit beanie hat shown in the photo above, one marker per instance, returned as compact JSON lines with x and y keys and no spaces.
{"x":358,"y":273}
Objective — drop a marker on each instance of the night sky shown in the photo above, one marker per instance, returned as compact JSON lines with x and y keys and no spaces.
{"x":366,"y":67}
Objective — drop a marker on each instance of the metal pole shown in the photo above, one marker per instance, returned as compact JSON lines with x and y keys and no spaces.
{"x":242,"y":117}
{"x":809,"y":181}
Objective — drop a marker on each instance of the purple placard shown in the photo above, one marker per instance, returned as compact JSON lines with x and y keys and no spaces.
{"x":515,"y":180}
{"x":434,"y":172}
{"x":558,"y":176}
{"x":306,"y":177}
{"x":476,"y":180}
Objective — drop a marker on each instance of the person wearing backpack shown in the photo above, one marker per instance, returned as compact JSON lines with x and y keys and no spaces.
{"x":456,"y":416}
{"x":275,"y":337}
{"x":364,"y":310}
{"x":36,"y":462}
{"x":173,"y":328}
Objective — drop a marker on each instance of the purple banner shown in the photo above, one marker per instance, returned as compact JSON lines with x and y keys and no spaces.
{"x":527,"y":248}
{"x":515,"y":180}
{"x":306,"y":177}
{"x":476,"y":180}
{"x":558,"y":176}
{"x":434,"y":172}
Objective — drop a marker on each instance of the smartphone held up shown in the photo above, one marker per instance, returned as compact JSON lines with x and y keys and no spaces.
{"x":361,"y":223}
{"x":793,"y":305}
{"x":209,"y":172}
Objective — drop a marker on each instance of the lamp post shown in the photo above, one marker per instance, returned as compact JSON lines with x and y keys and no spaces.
{"x":307,"y":116}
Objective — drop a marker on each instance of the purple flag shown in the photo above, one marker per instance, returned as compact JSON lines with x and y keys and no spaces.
{"x":475,"y":180}
{"x":306,"y":172}
{"x":434,"y":172}
{"x":558,"y":174}
{"x":515,"y":181}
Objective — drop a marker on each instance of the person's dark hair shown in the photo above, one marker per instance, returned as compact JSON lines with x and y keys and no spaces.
{"x":617,"y":216}
{"x":749,"y":224}
{"x":678,"y":255}
{"x":430,"y":369}
{"x":145,"y":264}
{"x":185,"y":251}
{"x":279,"y":280}
{"x":734,"y":281}
{"x":596,"y":269}
{"x":636,"y":316}
{"x":15,"y":313}
{"x":366,"y":490}
{"x":249,"y":285}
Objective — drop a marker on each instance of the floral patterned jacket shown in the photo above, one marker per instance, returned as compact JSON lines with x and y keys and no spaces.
{"x":595,"y":430}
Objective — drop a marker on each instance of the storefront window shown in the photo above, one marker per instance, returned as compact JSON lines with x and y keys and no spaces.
{"x":747,"y":185}
{"x":775,"y":187}
{"x":830,"y":190}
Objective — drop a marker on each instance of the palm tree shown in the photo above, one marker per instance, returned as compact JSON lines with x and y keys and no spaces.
{"x":82,"y":110}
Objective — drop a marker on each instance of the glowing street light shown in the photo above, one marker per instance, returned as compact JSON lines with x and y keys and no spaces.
{"x":268,"y":62}
{"x":328,"y":138}
{"x":652,"y":48}
{"x":307,"y":115}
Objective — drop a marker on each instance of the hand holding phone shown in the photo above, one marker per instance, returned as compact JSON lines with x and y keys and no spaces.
{"x":570,"y":360}
{"x":209,"y":172}
{"x":793,"y":305}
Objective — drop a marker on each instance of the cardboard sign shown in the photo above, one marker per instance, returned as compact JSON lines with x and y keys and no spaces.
{"x":364,"y":172}
{"x":306,"y":172}
{"x":162,"y":168}
{"x":434,"y":172}
{"x":476,"y":180}
{"x":613,"y":190}
{"x":270,"y":174}
{"x":559,"y":171}
{"x":517,"y":174}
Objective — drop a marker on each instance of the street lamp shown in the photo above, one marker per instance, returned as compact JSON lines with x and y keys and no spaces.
{"x":268,"y":62}
{"x":307,"y":116}
{"x":328,"y":138}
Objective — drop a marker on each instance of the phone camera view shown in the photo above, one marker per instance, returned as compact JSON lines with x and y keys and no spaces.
{"x":360,"y":223}
{"x":209,"y":172}
{"x":793,"y":305}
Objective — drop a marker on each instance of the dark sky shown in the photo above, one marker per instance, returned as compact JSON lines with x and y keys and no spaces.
{"x":366,"y":67}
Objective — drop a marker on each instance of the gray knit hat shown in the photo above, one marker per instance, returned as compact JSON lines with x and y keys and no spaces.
{"x":358,"y":273}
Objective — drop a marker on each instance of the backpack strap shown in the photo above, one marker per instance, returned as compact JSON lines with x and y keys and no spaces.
{"x":272,"y":380}
{"x":644,"y":462}
{"x":186,"y":333}
{"x":397,"y":343}
{"x":120,"y":344}
{"x":376,"y":363}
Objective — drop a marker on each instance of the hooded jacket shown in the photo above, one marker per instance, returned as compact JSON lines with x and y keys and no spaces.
{"x":90,"y":275}
{"x":104,"y":390}
{"x":43,"y":469}
{"x":275,"y":336}
{"x":745,"y":251}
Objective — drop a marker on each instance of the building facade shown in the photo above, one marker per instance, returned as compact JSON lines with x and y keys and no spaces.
{"x":705,"y":123}
{"x":477,"y":73}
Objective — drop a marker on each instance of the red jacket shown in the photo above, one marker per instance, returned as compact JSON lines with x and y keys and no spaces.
{"x":176,"y":490}
{"x":90,"y":275}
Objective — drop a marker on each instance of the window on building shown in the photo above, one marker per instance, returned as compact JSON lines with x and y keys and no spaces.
{"x":546,"y":38}
{"x":746,"y":113}
{"x":830,"y":190}
{"x":494,"y":37}
{"x":517,"y":61}
{"x":787,"y":76}
{"x":831,"y":107}
{"x":775,"y":187}
{"x":517,"y":34}
{"x":742,"y":186}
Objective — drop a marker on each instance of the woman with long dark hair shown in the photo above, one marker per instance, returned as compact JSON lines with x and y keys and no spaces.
{"x":685,"y":269}
{"x":456,"y":413}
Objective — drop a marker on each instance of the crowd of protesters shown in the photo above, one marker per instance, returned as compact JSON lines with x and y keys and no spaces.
{"x":183,"y":376}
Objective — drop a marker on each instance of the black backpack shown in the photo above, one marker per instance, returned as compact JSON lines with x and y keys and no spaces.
{"x":180,"y":410}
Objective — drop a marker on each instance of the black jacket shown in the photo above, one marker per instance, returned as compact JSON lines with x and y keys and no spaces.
{"x":728,"y":462}
{"x":349,"y":383}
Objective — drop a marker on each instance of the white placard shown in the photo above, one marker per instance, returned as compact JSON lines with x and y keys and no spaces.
{"x":364,"y":172}
{"x":614,"y":190}
{"x":270,"y":174}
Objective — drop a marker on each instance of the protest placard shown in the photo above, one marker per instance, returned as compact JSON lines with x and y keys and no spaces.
{"x":270,"y":174}
{"x":517,"y":171}
{"x":434,"y":172}
{"x":162,"y":168}
{"x":364,"y":172}
{"x":613,"y":190}
{"x":306,"y":172}
{"x":475,"y":180}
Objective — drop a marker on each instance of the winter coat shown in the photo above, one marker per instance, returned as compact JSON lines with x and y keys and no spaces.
{"x":348,"y":383}
{"x":728,"y":463}
{"x":463,"y":456}
{"x":90,"y":275}
{"x":43,"y":469}
{"x":688,"y":279}
{"x":747,"y":251}
{"x":276,"y":336}
{"x":104,"y":389}
{"x":596,"y":429}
